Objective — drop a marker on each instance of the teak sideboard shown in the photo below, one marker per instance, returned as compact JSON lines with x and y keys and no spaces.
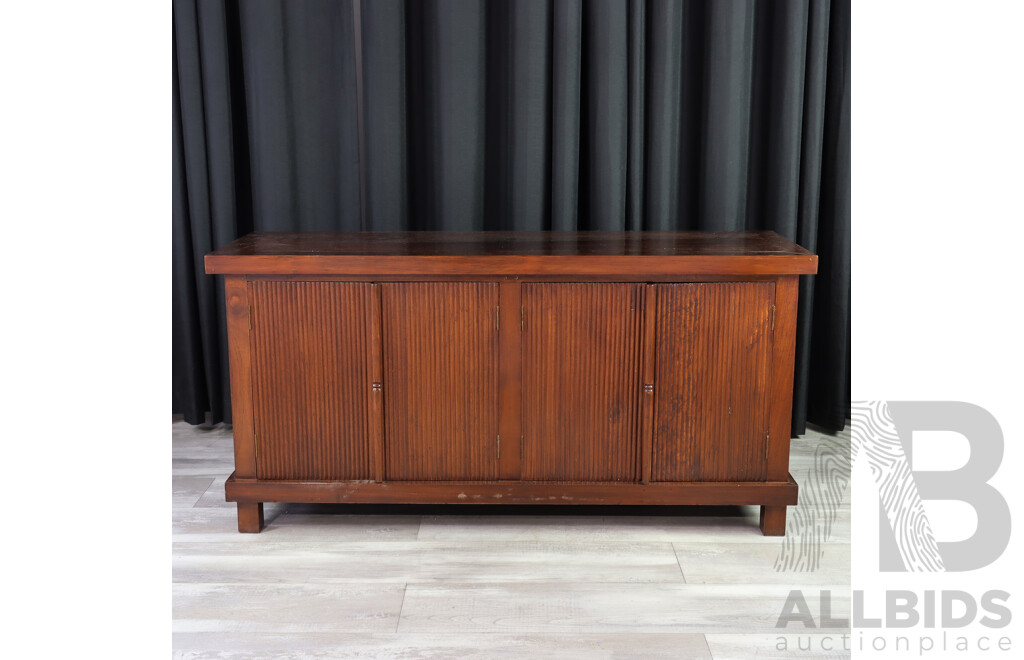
{"x":512,"y":368}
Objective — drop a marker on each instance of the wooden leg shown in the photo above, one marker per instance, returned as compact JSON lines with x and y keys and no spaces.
{"x":250,"y":517}
{"x":773,"y":520}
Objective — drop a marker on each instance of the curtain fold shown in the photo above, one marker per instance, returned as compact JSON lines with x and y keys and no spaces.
{"x":528,"y":114}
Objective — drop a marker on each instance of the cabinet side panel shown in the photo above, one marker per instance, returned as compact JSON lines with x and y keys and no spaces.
{"x":312,"y":379}
{"x":713,"y":381}
{"x":236,"y":297}
{"x":440,"y":380}
{"x":783,"y":355}
{"x":581,"y":376}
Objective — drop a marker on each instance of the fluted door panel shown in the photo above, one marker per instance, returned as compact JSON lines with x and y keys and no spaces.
{"x":581,"y":345}
{"x":712,"y":381}
{"x":311,"y":379}
{"x":440,"y":380}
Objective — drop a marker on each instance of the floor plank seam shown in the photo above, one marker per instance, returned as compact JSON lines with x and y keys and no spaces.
{"x":707,"y":645}
{"x":206,"y":491}
{"x":675,"y":551}
{"x":398,"y":621}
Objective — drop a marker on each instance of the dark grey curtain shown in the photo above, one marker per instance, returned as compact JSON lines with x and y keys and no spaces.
{"x":527,"y":114}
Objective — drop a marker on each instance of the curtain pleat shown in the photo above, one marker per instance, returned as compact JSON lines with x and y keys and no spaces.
{"x":203,"y":212}
{"x":526,"y":64}
{"x":566,"y":89}
{"x":528,"y":114}
{"x":811,"y":143}
{"x":384,"y":53}
{"x":828,"y":382}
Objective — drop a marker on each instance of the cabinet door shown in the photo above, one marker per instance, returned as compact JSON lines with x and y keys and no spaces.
{"x":712,"y":377}
{"x":440,"y":380}
{"x":311,"y":379}
{"x":580,"y":373}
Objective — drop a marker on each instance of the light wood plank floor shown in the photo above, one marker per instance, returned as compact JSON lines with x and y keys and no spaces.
{"x":340,"y":581}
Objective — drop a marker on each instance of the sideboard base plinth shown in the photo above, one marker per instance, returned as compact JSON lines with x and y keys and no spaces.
{"x":773,"y":496}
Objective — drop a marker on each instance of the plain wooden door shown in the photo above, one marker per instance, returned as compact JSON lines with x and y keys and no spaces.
{"x":440,"y":380}
{"x":311,"y":374}
{"x":712,"y":380}
{"x":580,"y":375}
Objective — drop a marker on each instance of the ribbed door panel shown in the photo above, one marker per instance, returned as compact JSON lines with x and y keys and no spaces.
{"x":440,"y":380}
{"x":713,"y":359}
{"x":581,"y":384}
{"x":311,"y":379}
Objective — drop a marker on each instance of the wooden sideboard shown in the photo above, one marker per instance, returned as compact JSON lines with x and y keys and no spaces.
{"x":512,"y":368}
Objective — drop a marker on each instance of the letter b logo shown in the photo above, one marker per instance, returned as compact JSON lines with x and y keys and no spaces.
{"x":883,"y":431}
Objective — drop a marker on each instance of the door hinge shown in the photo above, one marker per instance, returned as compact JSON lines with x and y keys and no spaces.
{"x":499,"y":446}
{"x":773,"y":318}
{"x":497,"y":317}
{"x":522,"y":318}
{"x":249,"y":317}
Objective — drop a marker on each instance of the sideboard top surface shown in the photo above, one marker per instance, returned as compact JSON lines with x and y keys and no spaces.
{"x":512,"y":252}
